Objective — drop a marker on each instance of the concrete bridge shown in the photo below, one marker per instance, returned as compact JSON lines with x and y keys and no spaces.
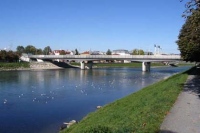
{"x":145,"y":59}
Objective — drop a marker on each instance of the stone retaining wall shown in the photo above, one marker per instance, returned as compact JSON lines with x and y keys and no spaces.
{"x":42,"y":65}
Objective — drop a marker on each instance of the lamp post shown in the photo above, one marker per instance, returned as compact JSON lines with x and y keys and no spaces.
{"x":158,"y":49}
{"x":155,"y":49}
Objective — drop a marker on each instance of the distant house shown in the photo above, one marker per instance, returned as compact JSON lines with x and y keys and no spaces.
{"x":86,"y":53}
{"x":62,"y":52}
{"x":120,"y":52}
{"x":97,"y":53}
{"x":148,"y":53}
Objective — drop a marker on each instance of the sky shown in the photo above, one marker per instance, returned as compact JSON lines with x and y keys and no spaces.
{"x":91,"y":24}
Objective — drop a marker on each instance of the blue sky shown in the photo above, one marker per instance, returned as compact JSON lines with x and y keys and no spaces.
{"x":91,"y":24}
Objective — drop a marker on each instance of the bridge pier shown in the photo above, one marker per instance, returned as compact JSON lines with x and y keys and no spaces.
{"x":146,"y":66}
{"x":89,"y":64}
{"x":82,"y":65}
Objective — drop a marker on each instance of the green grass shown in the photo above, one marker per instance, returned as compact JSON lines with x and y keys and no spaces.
{"x":140,"y":112}
{"x":14,"y":65}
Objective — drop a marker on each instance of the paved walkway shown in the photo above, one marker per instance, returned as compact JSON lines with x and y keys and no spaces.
{"x":184,"y":117}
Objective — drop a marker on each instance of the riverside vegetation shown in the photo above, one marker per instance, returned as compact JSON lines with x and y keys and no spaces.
{"x":14,"y":65}
{"x":140,"y":112}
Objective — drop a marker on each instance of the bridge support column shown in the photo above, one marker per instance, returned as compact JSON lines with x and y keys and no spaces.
{"x":82,"y":65}
{"x":89,"y":64}
{"x":146,"y":66}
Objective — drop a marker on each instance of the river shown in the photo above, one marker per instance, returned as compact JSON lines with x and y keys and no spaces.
{"x":39,"y":101}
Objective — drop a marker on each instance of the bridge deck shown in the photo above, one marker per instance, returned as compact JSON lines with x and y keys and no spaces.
{"x":141,"y":58}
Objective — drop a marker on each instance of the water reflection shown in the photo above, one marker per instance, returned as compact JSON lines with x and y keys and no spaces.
{"x":40,"y":100}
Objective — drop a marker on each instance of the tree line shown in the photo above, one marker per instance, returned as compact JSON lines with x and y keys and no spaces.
{"x":9,"y":56}
{"x":189,"y":36}
{"x":30,"y":49}
{"x":13,"y":56}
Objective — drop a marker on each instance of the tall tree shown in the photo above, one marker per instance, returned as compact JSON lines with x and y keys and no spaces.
{"x":30,"y":49}
{"x":47,"y":50}
{"x":189,"y":37}
{"x":39,"y":51}
{"x":190,"y":6}
{"x":3,"y":54}
{"x":135,"y":52}
{"x":20,"y":49}
{"x":108,"y":52}
{"x":9,"y":56}
{"x":138,"y":52}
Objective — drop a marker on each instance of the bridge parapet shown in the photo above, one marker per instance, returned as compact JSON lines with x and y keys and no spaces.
{"x":146,"y":59}
{"x":110,"y":57}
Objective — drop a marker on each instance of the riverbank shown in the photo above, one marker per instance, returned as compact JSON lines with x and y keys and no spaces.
{"x":27,"y":66}
{"x":184,"y":117}
{"x":140,"y":112}
{"x":49,"y":65}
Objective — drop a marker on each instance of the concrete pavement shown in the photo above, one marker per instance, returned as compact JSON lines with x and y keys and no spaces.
{"x":184,"y":117}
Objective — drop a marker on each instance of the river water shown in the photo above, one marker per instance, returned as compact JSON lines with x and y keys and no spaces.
{"x":39,"y":101}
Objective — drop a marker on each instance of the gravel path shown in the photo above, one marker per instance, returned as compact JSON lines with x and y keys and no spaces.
{"x":184,"y":117}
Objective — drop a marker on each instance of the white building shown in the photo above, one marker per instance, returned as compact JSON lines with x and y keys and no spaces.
{"x":62,"y":52}
{"x":97,"y":53}
{"x":120,"y":52}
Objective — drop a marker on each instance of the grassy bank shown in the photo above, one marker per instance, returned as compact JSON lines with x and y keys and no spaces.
{"x":14,"y":65}
{"x":140,"y":112}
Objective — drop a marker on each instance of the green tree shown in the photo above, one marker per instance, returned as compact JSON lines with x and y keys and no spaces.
{"x":3,"y":54}
{"x":47,"y":50}
{"x":135,"y":52}
{"x":141,"y":52}
{"x":30,"y":49}
{"x":39,"y":51}
{"x":189,"y":37}
{"x":190,"y":5}
{"x":12,"y":56}
{"x":20,"y":49}
{"x":108,"y":52}
{"x":9,"y":56}
{"x":138,"y":52}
